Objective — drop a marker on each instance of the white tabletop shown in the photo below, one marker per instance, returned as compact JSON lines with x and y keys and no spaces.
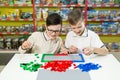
{"x":110,"y":68}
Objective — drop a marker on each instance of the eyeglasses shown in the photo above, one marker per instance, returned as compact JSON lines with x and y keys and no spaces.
{"x":54,"y":31}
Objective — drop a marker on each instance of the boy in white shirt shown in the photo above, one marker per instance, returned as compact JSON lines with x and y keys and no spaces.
{"x":48,"y":41}
{"x":80,"y":39}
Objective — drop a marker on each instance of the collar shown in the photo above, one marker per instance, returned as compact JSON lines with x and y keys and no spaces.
{"x":47,"y":38}
{"x":84,"y":34}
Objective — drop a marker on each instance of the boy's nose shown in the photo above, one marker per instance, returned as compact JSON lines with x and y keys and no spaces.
{"x":77,"y":30}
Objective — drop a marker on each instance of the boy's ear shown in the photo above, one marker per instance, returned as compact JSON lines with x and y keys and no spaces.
{"x":45,"y":27}
{"x":61,"y":28}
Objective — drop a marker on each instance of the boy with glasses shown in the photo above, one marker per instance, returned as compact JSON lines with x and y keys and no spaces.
{"x":80,"y":39}
{"x":48,"y":41}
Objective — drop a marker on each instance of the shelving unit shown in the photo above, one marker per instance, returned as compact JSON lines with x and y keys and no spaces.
{"x":104,"y":18}
{"x":24,"y":26}
{"x":16,"y":24}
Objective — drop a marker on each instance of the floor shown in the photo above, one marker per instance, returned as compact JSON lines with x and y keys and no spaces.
{"x":117,"y":55}
{"x":4,"y":58}
{"x":1,"y":67}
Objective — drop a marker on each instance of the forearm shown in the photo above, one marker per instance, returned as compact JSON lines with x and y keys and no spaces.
{"x":101,"y":51}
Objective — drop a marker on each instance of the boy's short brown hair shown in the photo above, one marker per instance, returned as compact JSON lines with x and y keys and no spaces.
{"x":75,"y":16}
{"x":54,"y":19}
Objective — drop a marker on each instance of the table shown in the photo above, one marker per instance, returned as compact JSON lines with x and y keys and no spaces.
{"x":110,"y":68}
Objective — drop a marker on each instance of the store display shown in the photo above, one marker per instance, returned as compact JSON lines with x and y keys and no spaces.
{"x":105,"y":27}
{"x":63,"y":2}
{"x":104,"y":14}
{"x":17,"y":18}
{"x":103,"y":17}
{"x":15,"y":29}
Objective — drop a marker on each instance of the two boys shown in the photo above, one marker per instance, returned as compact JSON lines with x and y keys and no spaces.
{"x":79,"y":40}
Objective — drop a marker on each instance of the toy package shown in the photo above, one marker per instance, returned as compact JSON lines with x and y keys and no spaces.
{"x":22,"y":2}
{"x":118,"y":28}
{"x":92,"y":14}
{"x":105,"y":27}
{"x":26,"y":15}
{"x":37,"y":1}
{"x":111,"y":2}
{"x":112,"y":27}
{"x":64,"y":13}
{"x":8,"y":43}
{"x":53,"y":11}
{"x":14,"y":43}
{"x":45,"y":13}
{"x":102,"y":14}
{"x":21,"y":40}
{"x":49,"y":2}
{"x":90,"y":1}
{"x":56,"y":1}
{"x":118,"y":15}
{"x":43,"y":1}
{"x":67,"y":2}
{"x":41,"y":28}
{"x":10,"y":13}
{"x":38,"y":13}
{"x":94,"y":1}
{"x":64,"y":30}
{"x":95,"y":27}
{"x":27,"y":28}
{"x":113,"y":46}
{"x":80,"y":1}
{"x":1,"y":43}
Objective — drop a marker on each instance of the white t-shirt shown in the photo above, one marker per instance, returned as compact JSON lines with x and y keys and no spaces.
{"x":87,"y":39}
{"x":41,"y":43}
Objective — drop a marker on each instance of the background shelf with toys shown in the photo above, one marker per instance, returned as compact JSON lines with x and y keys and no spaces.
{"x":19,"y":18}
{"x":16,"y":23}
{"x":103,"y":17}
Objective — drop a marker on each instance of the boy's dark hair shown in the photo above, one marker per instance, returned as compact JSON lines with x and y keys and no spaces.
{"x":75,"y":16}
{"x":54,"y":19}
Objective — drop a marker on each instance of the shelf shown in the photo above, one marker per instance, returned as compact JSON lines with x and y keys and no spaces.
{"x":17,"y":19}
{"x":101,"y":20}
{"x":60,"y":5}
{"x":104,"y":5}
{"x":109,"y":34}
{"x":8,"y":51}
{"x":16,"y":33}
{"x":16,"y":5}
{"x":42,"y":5}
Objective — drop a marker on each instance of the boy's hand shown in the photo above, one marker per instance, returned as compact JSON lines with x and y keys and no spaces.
{"x":64,"y":51}
{"x":73,"y":49}
{"x":88,"y":51}
{"x":26,"y":45}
